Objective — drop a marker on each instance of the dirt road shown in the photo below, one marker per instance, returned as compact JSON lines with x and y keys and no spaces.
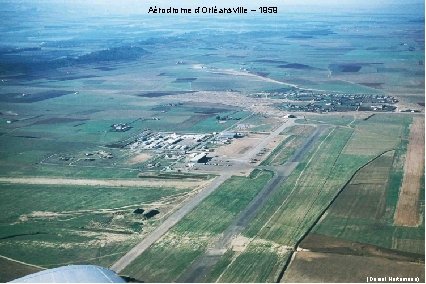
{"x":154,"y":183}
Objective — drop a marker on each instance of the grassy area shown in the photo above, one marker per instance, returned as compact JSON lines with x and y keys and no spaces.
{"x":220,"y":266}
{"x":51,"y":225}
{"x":364,"y":212}
{"x":215,"y":214}
{"x":377,"y":134}
{"x":169,"y":257}
{"x":296,"y":136}
{"x":30,"y":157}
{"x":258,"y":123}
{"x":291,"y":211}
{"x":68,"y":171}
{"x":308,"y":189}
{"x":357,"y":212}
{"x":338,"y":120}
{"x":32,"y":137}
{"x":315,"y":181}
{"x":211,"y":124}
{"x":258,"y":263}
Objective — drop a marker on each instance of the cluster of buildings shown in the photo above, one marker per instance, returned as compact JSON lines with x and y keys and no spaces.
{"x":328,"y":102}
{"x":180,"y":149}
{"x":197,"y":158}
{"x":101,"y":154}
{"x":164,"y":141}
{"x":120,"y":127}
{"x":88,"y":156}
{"x":314,"y":101}
{"x":341,"y":98}
{"x":226,"y":137}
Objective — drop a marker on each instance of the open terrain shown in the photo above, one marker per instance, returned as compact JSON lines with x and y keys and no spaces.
{"x":290,"y":214}
{"x":12,"y":269}
{"x":239,"y":147}
{"x":294,"y":138}
{"x":169,"y":257}
{"x":325,"y":267}
{"x":358,"y":228}
{"x":46,"y":225}
{"x":283,"y":147}
{"x":407,"y":211}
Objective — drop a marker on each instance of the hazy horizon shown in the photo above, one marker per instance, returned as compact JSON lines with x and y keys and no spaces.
{"x":141,"y":7}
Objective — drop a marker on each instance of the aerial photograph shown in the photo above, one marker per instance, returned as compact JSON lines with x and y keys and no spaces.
{"x":224,"y":141}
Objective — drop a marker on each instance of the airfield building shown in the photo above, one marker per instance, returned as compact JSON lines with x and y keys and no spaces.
{"x":199,"y":158}
{"x":230,"y":135}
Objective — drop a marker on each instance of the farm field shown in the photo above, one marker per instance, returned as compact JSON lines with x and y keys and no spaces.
{"x":172,"y":254}
{"x":260,"y":262}
{"x":333,"y":119}
{"x":359,"y":228}
{"x":407,"y":212}
{"x":11,"y":269}
{"x":337,"y":268}
{"x":295,"y":136}
{"x":290,"y":212}
{"x":260,"y":147}
{"x":274,"y":223}
{"x":49,"y":225}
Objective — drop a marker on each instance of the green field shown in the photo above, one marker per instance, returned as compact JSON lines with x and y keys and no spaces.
{"x":315,"y":182}
{"x":72,"y":70}
{"x":293,"y":208}
{"x":259,"y":263}
{"x":168,"y":258}
{"x":296,"y":136}
{"x":51,"y":225}
{"x":286,"y":217}
{"x":364,"y":212}
{"x":332,"y":119}
{"x":369,"y":218}
{"x":290,"y":212}
{"x":258,"y":123}
{"x":33,"y":142}
{"x":357,"y":236}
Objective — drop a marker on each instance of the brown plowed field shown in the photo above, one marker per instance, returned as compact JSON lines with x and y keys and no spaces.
{"x":330,"y":267}
{"x":407,"y":210}
{"x":11,"y":270}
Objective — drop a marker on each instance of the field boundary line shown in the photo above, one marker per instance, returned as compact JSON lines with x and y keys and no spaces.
{"x":88,"y":259}
{"x":321,"y":189}
{"x":286,"y":265}
{"x":21,"y":262}
{"x":234,"y":258}
{"x":296,"y":183}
